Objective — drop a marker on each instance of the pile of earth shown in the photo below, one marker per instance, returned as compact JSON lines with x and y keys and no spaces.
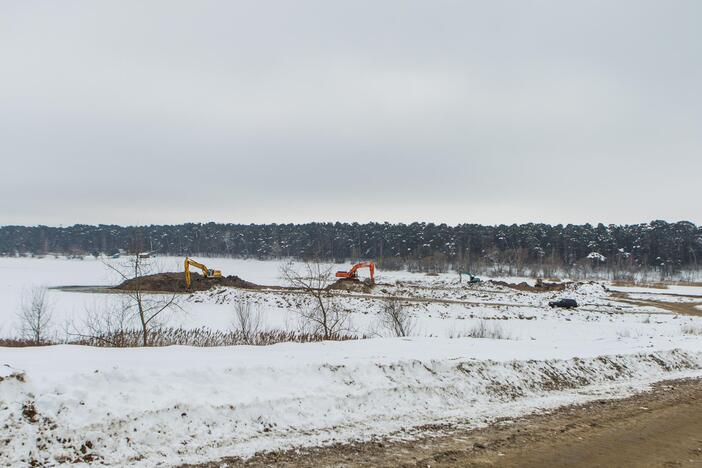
{"x":351,"y":285}
{"x":175,"y":282}
{"x":540,"y":286}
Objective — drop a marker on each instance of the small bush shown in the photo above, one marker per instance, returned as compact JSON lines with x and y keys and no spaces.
{"x":689,"y":329}
{"x":200,"y":337}
{"x":483,"y":330}
{"x":642,"y":284}
{"x":397,"y":320}
{"x":205,"y":337}
{"x":247,"y":321}
{"x":21,"y":343}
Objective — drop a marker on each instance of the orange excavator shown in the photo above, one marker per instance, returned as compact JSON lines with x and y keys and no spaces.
{"x":206,"y":272}
{"x":353,"y":272}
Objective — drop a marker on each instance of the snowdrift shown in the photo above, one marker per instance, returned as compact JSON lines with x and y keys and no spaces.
{"x":179,"y":404}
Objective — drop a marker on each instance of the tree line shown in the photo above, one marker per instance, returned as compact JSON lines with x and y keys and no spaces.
{"x":656,"y":245}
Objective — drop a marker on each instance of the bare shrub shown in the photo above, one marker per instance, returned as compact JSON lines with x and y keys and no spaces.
{"x":35,"y":316}
{"x":689,"y":329}
{"x":323,"y":315}
{"x":22,"y":343}
{"x":628,"y":333}
{"x":643,"y":284}
{"x":248,"y":321}
{"x":205,"y":337}
{"x":484,"y":329}
{"x":150,"y":310}
{"x":110,"y":322}
{"x":396,"y":319}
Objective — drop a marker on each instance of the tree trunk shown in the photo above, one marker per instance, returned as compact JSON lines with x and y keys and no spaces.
{"x":142,"y":318}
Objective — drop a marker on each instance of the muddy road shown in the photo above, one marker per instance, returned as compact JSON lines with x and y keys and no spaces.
{"x":683,"y":308}
{"x":660,"y":428}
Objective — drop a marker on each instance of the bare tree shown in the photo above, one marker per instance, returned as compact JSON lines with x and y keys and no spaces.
{"x":35,"y":316}
{"x":248,"y":320}
{"x":149,"y":309}
{"x":324,"y":315}
{"x":109,"y":324}
{"x":395,"y":319}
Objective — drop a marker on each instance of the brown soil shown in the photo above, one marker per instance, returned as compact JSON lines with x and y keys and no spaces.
{"x":682,"y":308}
{"x":351,"y":285}
{"x":655,"y":284}
{"x":623,"y":283}
{"x":658,"y":428}
{"x":539,"y":287}
{"x":175,"y":282}
{"x":29,"y":411}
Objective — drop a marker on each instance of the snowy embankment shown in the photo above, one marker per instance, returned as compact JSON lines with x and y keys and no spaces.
{"x":181,"y":404}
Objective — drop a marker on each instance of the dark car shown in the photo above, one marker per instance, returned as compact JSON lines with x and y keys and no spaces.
{"x":564,"y":303}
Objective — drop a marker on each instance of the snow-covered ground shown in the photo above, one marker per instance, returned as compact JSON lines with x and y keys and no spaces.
{"x":19,"y":275}
{"x":182,"y":404}
{"x":140,"y":407}
{"x":670,"y":289}
{"x":441,"y":305}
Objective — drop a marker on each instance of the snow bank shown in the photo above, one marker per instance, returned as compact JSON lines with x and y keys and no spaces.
{"x":180,"y":404}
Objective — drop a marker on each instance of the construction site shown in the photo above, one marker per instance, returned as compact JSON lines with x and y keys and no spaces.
{"x":190,"y":281}
{"x":402,"y":352}
{"x":350,"y":234}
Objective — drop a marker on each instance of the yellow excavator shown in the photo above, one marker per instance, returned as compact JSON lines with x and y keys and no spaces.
{"x":206,"y":272}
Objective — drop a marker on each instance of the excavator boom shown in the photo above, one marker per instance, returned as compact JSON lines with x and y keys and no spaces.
{"x":206,"y":272}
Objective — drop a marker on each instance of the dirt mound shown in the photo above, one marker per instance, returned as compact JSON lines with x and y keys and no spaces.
{"x":539,"y":287}
{"x":175,"y":282}
{"x":351,"y":285}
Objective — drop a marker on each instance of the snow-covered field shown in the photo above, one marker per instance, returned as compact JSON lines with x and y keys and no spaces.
{"x":182,"y":404}
{"x":19,"y":275}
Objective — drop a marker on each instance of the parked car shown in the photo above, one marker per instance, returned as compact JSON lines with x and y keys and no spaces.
{"x":564,"y":303}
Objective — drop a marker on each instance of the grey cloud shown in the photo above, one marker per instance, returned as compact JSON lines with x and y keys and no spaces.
{"x":448,"y":111}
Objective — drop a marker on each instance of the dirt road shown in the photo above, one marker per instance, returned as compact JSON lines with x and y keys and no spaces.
{"x":659,"y":428}
{"x":683,"y":308}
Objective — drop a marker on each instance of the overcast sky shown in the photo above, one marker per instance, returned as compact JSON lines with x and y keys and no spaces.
{"x":134,"y":112}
